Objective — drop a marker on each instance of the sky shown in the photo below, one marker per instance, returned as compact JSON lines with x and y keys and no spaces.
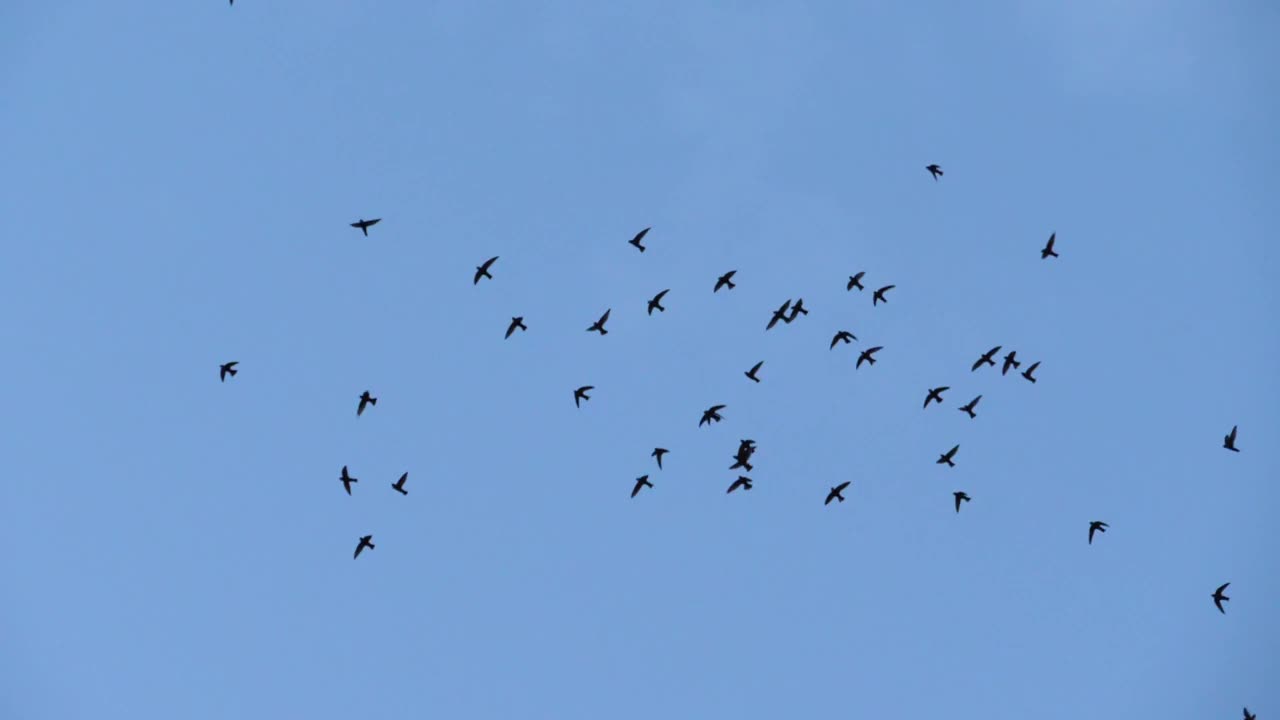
{"x":179,"y":179}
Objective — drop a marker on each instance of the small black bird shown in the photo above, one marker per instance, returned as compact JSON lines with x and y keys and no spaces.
{"x":969,"y":408}
{"x":855,"y":281}
{"x":934,"y":170}
{"x":656,"y":302}
{"x":1048,"y":252}
{"x":752,"y":372}
{"x":1228,"y":442}
{"x":935,"y":394}
{"x":711,"y":414}
{"x":878,"y":296}
{"x":1010,"y":360}
{"x":1096,"y":526}
{"x":1218,"y":597}
{"x":581,"y":394}
{"x":1027,"y":373}
{"x":365,"y":400}
{"x":1249,"y":716}
{"x":797,"y":310}
{"x":641,"y":481}
{"x":843,"y":336}
{"x":947,"y":457}
{"x":398,"y":485}
{"x":226,"y":369}
{"x":987,"y":358}
{"x":961,"y":497}
{"x":346,"y":479}
{"x":598,"y":326}
{"x":636,"y":240}
{"x":779,"y":314}
{"x":725,"y":280}
{"x":365,"y":542}
{"x":364,"y":225}
{"x":746,"y":447}
{"x":834,"y":494}
{"x":482,"y":270}
{"x":867,"y":356}
{"x":516,"y":322}
{"x":658,"y":453}
{"x":742,"y":482}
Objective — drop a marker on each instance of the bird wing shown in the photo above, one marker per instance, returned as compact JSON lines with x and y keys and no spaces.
{"x":510,"y":329}
{"x":887,"y":288}
{"x":640,"y":235}
{"x":1221,"y":588}
{"x":1052,"y":237}
{"x":403,"y":477}
{"x":952,"y":451}
{"x":943,"y":389}
{"x":605,"y":317}
{"x":843,"y":485}
{"x":1232,"y":436}
{"x":1033,"y":367}
{"x":718,"y":408}
{"x":479,"y":274}
{"x":661,"y":295}
{"x":756,"y":367}
{"x":489,"y":263}
{"x":978,"y":363}
{"x":958,"y":496}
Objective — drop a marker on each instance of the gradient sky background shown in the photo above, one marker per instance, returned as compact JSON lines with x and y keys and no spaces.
{"x":178,"y":182}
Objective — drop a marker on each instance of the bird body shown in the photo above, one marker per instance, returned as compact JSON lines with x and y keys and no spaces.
{"x":365,"y":400}
{"x":364,"y":225}
{"x":878,"y":297}
{"x":346,"y":479}
{"x":934,"y":170}
{"x":1229,"y":442}
{"x":843,"y":336}
{"x":835,"y":493}
{"x":988,"y":358}
{"x":1096,"y":526}
{"x":641,"y":482}
{"x":598,"y":326}
{"x":970,"y":407}
{"x":779,"y":314}
{"x":366,"y":541}
{"x":1031,"y":369}
{"x":226,"y":369}
{"x":1048,"y":252}
{"x":398,"y":485}
{"x":867,"y":356}
{"x":656,"y":302}
{"x":658,"y":453}
{"x":935,"y":395}
{"x":581,"y":394}
{"x":797,"y":310}
{"x":1010,"y":360}
{"x":855,"y":281}
{"x":639,"y":236}
{"x":711,"y":414}
{"x":725,"y":280}
{"x":948,"y":458}
{"x":751,"y":374}
{"x":742,"y":482}
{"x":1219,"y":597}
{"x":961,"y":496}
{"x":482,"y":270}
{"x":516,"y":322}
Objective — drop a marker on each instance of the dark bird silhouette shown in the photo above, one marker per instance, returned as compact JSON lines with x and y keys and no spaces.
{"x":639,"y":236}
{"x":843,"y":336}
{"x":988,"y":358}
{"x":226,"y":369}
{"x":482,"y":270}
{"x":516,"y":322}
{"x":598,"y":326}
{"x":947,"y":458}
{"x":855,"y":281}
{"x":779,"y":314}
{"x":641,"y":481}
{"x":935,"y":395}
{"x":1096,"y":526}
{"x":1048,"y":252}
{"x":878,"y":296}
{"x":346,"y":479}
{"x":742,"y":459}
{"x":752,"y":372}
{"x":365,"y":400}
{"x":834,"y":494}
{"x":1228,"y":442}
{"x":970,"y":407}
{"x":711,"y":414}
{"x":934,"y":170}
{"x":658,"y":453}
{"x":581,"y":394}
{"x":1010,"y":360}
{"x":746,"y":446}
{"x":1218,"y":597}
{"x":725,"y":280}
{"x":365,"y":542}
{"x":867,"y":356}
{"x":364,"y":225}
{"x":797,"y":310}
{"x":742,"y":482}
{"x":1249,"y":716}
{"x":398,"y":485}
{"x":1027,"y":373}
{"x":656,"y":302}
{"x":961,"y":496}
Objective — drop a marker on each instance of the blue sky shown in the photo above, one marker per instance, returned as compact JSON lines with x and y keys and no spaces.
{"x":179,"y":179}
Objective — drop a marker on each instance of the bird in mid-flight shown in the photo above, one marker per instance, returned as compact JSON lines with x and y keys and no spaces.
{"x":948,"y":458}
{"x":1048,"y":252}
{"x":226,"y":369}
{"x":366,"y":541}
{"x":797,"y":310}
{"x":639,"y":236}
{"x":1249,"y":716}
{"x":934,"y":170}
{"x":1010,"y":360}
{"x":834,"y":493}
{"x":364,"y":225}
{"x":365,"y":400}
{"x":970,"y":407}
{"x":1228,"y":442}
{"x":867,"y":356}
{"x":598,"y":326}
{"x":988,"y":358}
{"x":641,"y":481}
{"x":961,"y":496}
{"x":658,"y":453}
{"x":855,"y":281}
{"x":725,"y":280}
{"x":711,"y":414}
{"x":1218,"y":597}
{"x":516,"y":322}
{"x":843,"y":336}
{"x":935,"y":395}
{"x":482,"y":270}
{"x":779,"y":314}
{"x":1027,"y":373}
{"x":656,"y":302}
{"x":346,"y":479}
{"x":752,"y":372}
{"x":581,"y":394}
{"x":878,"y":296}
{"x":398,"y":485}
{"x":743,"y":482}
{"x":1096,"y":526}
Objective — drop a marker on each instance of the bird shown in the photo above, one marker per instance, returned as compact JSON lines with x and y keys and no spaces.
{"x":878,"y":296}
{"x":516,"y":322}
{"x":636,"y":240}
{"x":1218,"y":597}
{"x":1010,"y":360}
{"x":969,"y":408}
{"x":725,"y":280}
{"x":226,"y":369}
{"x":364,"y":225}
{"x":961,"y":496}
{"x":746,"y":446}
{"x":797,"y":310}
{"x":346,"y":479}
{"x":741,"y":461}
{"x":658,"y":453}
{"x":752,"y":372}
{"x":711,"y":414}
{"x":598,"y":326}
{"x":656,"y":302}
{"x":482,"y":270}
{"x":842,"y":336}
{"x":855,"y":281}
{"x":581,"y":394}
{"x":1048,"y":252}
{"x":834,"y":494}
{"x":987,"y":358}
{"x":743,"y":482}
{"x":934,"y":170}
{"x":1032,"y":368}
{"x":867,"y":355}
{"x":1096,"y":526}
{"x":779,"y":314}
{"x":640,"y":482}
{"x":1249,"y":716}
{"x":365,"y":399}
{"x":1228,"y":442}
{"x":398,"y":485}
{"x":935,"y":395}
{"x":366,"y":541}
{"x":947,"y":457}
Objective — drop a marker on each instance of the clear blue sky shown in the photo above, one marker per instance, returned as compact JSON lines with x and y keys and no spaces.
{"x":178,"y":182}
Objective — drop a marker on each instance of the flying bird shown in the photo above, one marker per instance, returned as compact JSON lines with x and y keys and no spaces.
{"x":366,"y":541}
{"x":581,"y":394}
{"x":797,"y":310}
{"x":398,"y":485}
{"x":1228,"y":442}
{"x":988,"y":358}
{"x":948,"y":457}
{"x":365,"y":400}
{"x":1249,"y":716}
{"x":656,"y":302}
{"x":752,"y":372}
{"x":725,"y":280}
{"x":855,"y":281}
{"x":843,"y":336}
{"x":834,"y":494}
{"x":742,"y":459}
{"x":1218,"y":597}
{"x":1096,"y":526}
{"x":364,"y":225}
{"x":878,"y":296}
{"x":779,"y":314}
{"x":641,"y":481}
{"x":1027,"y":373}
{"x":636,"y":240}
{"x":934,"y":170}
{"x":226,"y":369}
{"x":969,"y":408}
{"x":516,"y":322}
{"x":1010,"y":360}
{"x":1048,"y":252}
{"x":961,"y":497}
{"x":346,"y":479}
{"x":598,"y":326}
{"x":935,"y":395}
{"x":711,"y":414}
{"x":742,"y":482}
{"x":482,"y":270}
{"x":658,"y":453}
{"x":867,"y":356}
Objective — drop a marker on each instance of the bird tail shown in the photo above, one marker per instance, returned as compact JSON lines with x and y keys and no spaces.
{"x":731,"y":285}
{"x":603,"y":331}
{"x":232,"y":372}
{"x":840,"y":498}
{"x":373,"y":401}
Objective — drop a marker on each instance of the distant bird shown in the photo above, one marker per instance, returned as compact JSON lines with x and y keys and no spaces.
{"x":398,"y":485}
{"x":867,"y":356}
{"x":947,"y":458}
{"x":1228,"y":442}
{"x":346,"y":479}
{"x":656,"y":302}
{"x":935,"y":394}
{"x":779,"y":314}
{"x":843,"y":336}
{"x":1027,"y":373}
{"x":226,"y":369}
{"x":878,"y":296}
{"x":1218,"y":597}
{"x":364,"y":225}
{"x":969,"y":408}
{"x":366,"y":541}
{"x":855,"y":281}
{"x":516,"y":322}
{"x":598,"y":326}
{"x":961,"y":497}
{"x":641,"y":481}
{"x":834,"y":494}
{"x":1010,"y":360}
{"x":1096,"y":526}
{"x":934,"y":170}
{"x":365,"y":400}
{"x":482,"y":270}
{"x":797,"y":310}
{"x":581,"y":394}
{"x":1249,"y":716}
{"x":742,"y":482}
{"x":746,"y":446}
{"x":711,"y":414}
{"x":658,"y":453}
{"x":725,"y":280}
{"x":639,"y":236}
{"x":752,"y":372}
{"x":1048,"y":252}
{"x":988,"y":358}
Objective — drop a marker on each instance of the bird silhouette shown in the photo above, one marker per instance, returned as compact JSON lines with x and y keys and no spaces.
{"x":988,"y":358}
{"x":779,"y":314}
{"x":346,"y":479}
{"x":834,"y":494}
{"x":656,"y":302}
{"x":725,"y":280}
{"x":935,"y":395}
{"x":1048,"y":252}
{"x":855,"y":281}
{"x":947,"y":458}
{"x":1249,"y":716}
{"x":867,"y":356}
{"x":516,"y":322}
{"x":961,"y":497}
{"x":742,"y":459}
{"x":482,"y":270}
{"x":970,"y":407}
{"x":226,"y":369}
{"x":658,"y":453}
{"x":641,"y":481}
{"x":878,"y":296}
{"x":752,"y":372}
{"x":797,"y":310}
{"x":1228,"y":442}
{"x":1218,"y":597}
{"x":365,"y":400}
{"x":1010,"y":360}
{"x":364,"y":225}
{"x":843,"y":336}
{"x":581,"y":394}
{"x":934,"y":170}
{"x":598,"y":326}
{"x":398,"y":485}
{"x":711,"y":414}
{"x":1027,"y":373}
{"x":743,"y":482}
{"x":639,"y":236}
{"x":1096,"y":526}
{"x":366,"y":541}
